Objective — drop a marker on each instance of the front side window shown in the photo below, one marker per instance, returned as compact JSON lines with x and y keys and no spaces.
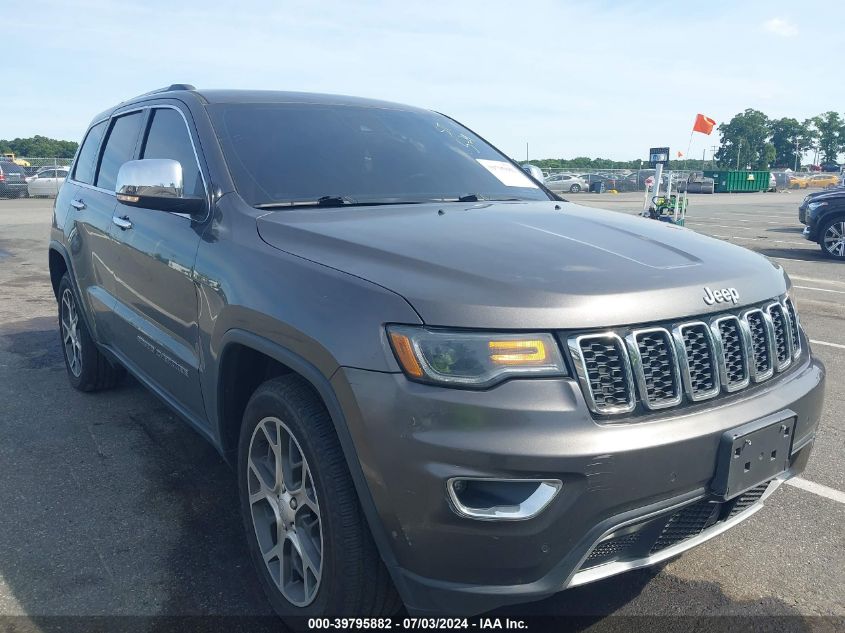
{"x":84,"y":170}
{"x":50,"y":173}
{"x":120,"y":148}
{"x":168,"y":138}
{"x":291,"y":152}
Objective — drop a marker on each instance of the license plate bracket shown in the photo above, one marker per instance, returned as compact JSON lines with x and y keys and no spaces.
{"x":753,"y":453}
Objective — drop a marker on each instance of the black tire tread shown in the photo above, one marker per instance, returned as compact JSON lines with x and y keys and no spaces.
{"x":367,"y":587}
{"x":98,"y":373}
{"x":824,"y":227}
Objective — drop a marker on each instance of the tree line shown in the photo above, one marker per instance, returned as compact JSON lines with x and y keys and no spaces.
{"x":39,"y":147}
{"x":750,"y":140}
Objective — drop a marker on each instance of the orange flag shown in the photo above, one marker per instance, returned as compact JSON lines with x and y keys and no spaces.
{"x":703,"y":124}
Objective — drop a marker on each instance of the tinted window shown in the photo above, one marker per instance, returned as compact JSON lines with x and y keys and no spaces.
{"x":50,"y":173}
{"x":295,"y":151}
{"x":84,"y":170}
{"x":168,"y":138}
{"x":120,"y":147}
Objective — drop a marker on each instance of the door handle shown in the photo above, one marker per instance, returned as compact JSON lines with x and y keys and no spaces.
{"x":77,"y":204}
{"x":122,"y":222}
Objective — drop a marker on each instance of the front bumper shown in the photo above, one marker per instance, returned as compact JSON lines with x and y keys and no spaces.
{"x":412,"y":438}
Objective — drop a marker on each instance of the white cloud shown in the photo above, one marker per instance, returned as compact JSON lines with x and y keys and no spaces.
{"x":780,"y":26}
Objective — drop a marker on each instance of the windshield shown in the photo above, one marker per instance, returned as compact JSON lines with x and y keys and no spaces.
{"x":293,"y":152}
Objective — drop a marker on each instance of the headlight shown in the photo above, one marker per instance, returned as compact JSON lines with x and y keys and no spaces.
{"x":473,"y":359}
{"x":815,"y":205}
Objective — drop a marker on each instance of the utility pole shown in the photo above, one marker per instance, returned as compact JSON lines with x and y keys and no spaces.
{"x":526,"y":151}
{"x":796,"y":154}
{"x":738,"y":153}
{"x":713,"y":156}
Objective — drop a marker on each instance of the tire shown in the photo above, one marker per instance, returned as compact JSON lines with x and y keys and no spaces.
{"x":87,"y":368}
{"x":345,"y":574}
{"x":832,"y":238}
{"x":575,"y":189}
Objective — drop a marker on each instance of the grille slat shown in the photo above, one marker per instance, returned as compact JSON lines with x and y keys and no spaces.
{"x":793,"y":322}
{"x":603,"y":367}
{"x":761,"y":344}
{"x":656,"y":367}
{"x":783,"y":353}
{"x":697,"y":359}
{"x":701,"y":368}
{"x":733,"y":359}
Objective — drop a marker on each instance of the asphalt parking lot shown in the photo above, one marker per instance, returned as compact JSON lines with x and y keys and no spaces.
{"x":109,"y":505}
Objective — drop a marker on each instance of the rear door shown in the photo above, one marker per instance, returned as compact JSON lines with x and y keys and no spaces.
{"x":88,"y":217}
{"x":157,"y":302}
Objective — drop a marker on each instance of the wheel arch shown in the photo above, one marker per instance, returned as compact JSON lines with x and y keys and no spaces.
{"x":240,"y":346}
{"x":59,"y":265}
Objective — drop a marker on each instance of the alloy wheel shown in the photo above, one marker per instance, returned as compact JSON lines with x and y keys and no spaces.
{"x":834,"y":239}
{"x":71,"y":335}
{"x":285,"y":511}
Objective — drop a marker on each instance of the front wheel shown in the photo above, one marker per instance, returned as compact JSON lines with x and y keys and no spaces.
{"x":832,"y":238}
{"x":575,"y":189}
{"x":306,"y":532}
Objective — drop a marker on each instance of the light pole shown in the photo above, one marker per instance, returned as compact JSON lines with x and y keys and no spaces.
{"x":796,"y":154}
{"x":738,"y":153}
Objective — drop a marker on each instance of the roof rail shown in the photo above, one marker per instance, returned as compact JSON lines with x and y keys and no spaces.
{"x":169,"y":88}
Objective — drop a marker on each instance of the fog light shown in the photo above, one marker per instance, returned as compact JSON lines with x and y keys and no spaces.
{"x":501,"y":499}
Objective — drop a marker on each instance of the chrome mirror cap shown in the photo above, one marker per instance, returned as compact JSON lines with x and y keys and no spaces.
{"x":149,"y":178}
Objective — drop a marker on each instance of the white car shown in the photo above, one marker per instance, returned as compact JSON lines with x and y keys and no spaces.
{"x":47,"y":182}
{"x":566,"y":182}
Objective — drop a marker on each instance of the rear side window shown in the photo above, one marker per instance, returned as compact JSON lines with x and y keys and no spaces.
{"x":84,"y":170}
{"x":120,"y":147}
{"x":168,"y":138}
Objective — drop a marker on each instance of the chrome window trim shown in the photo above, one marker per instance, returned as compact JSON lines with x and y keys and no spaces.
{"x":715,"y":326}
{"x":144,"y":132}
{"x":678,"y":335}
{"x":574,"y":344}
{"x":769,"y":332}
{"x":639,"y":371}
{"x":781,"y":366}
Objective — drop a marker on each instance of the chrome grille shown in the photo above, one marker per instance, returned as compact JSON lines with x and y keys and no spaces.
{"x":733,"y":353}
{"x":701,"y":373}
{"x":661,"y":367}
{"x":782,"y":335}
{"x":793,"y":323}
{"x":653,"y":357}
{"x":604,"y":369}
{"x":760,"y":331}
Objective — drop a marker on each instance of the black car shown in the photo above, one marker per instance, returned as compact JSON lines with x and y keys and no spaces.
{"x":825,"y":219}
{"x":12,"y":180}
{"x":802,"y":210}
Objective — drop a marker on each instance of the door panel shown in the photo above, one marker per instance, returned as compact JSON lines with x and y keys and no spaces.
{"x":92,"y":254}
{"x":157,"y":303}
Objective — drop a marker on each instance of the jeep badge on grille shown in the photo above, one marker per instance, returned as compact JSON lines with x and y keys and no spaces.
{"x":720,"y":296}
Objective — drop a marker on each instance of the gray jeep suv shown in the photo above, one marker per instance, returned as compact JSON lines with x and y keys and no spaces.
{"x":437,"y":382}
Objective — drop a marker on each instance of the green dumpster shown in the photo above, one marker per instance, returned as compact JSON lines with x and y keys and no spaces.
{"x":732,"y":181}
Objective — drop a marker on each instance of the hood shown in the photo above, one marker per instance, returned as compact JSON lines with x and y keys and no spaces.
{"x":526,"y":265}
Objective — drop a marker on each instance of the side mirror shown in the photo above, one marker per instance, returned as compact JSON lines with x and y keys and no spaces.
{"x":155,"y":183}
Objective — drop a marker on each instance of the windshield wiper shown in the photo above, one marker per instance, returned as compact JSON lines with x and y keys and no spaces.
{"x":333,"y":201}
{"x":478,"y":197}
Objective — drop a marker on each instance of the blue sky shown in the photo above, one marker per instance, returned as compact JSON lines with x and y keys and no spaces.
{"x":588,"y":78}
